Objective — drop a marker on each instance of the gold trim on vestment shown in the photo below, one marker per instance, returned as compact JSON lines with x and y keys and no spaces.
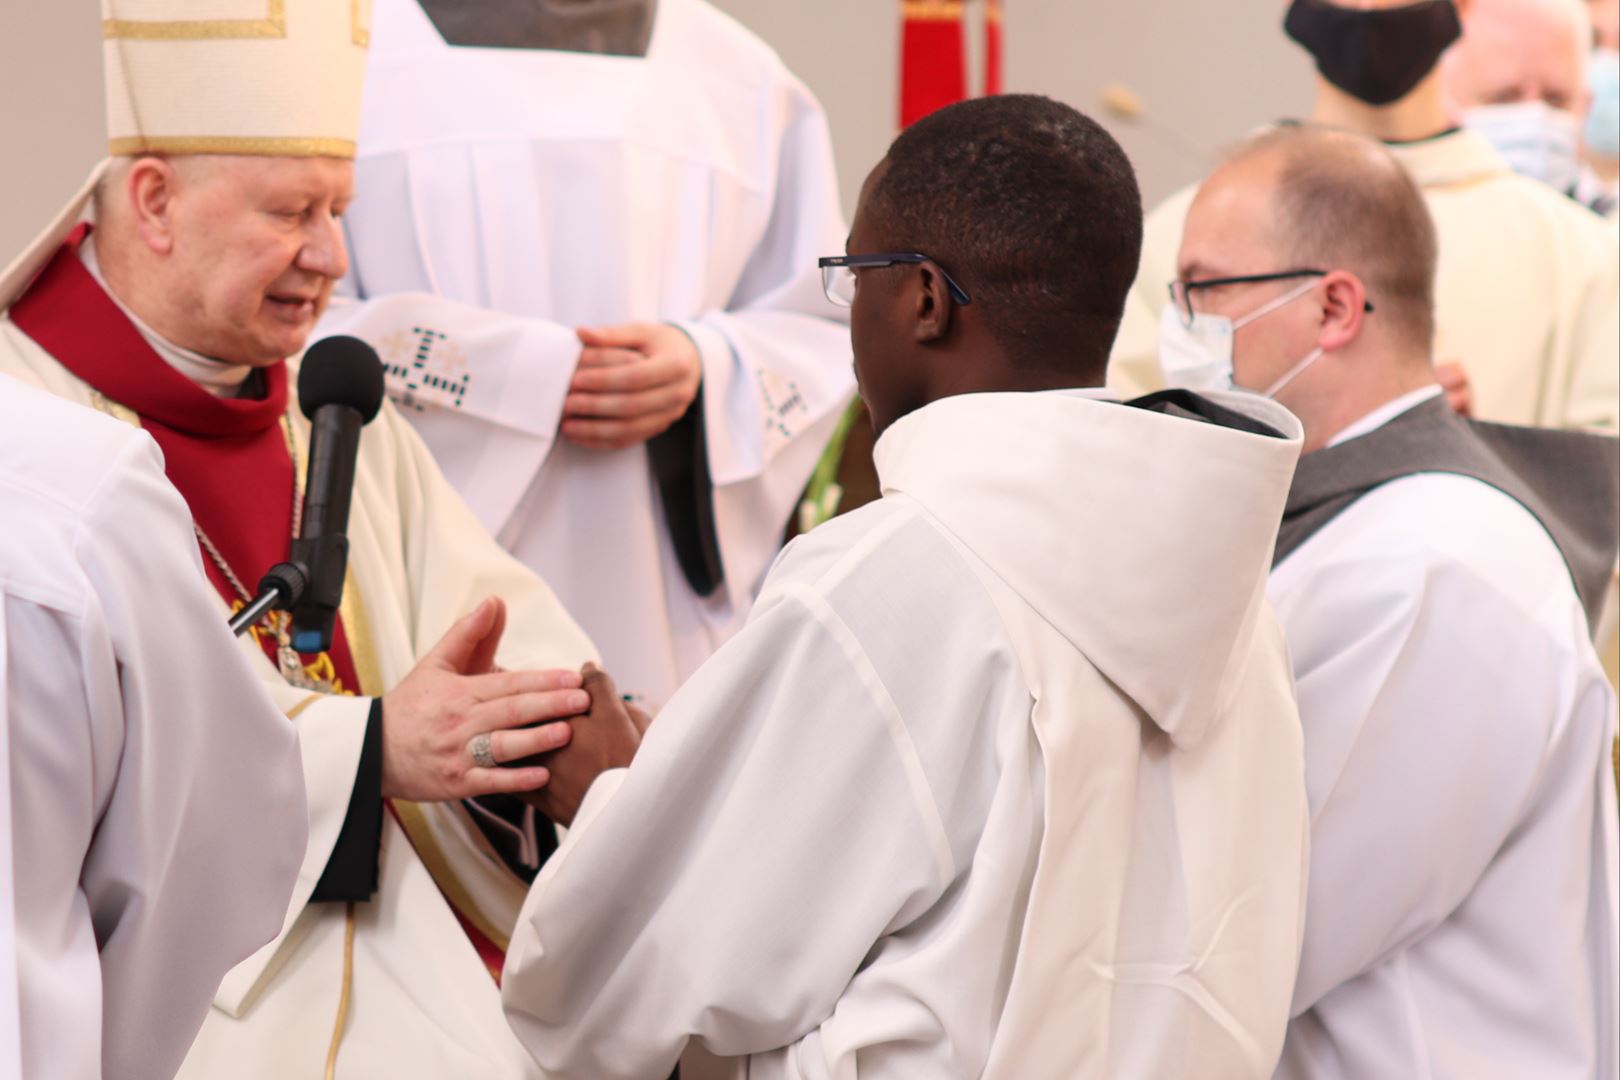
{"x":105,"y":404}
{"x":343,"y":998}
{"x":254,"y":145}
{"x":297,"y":710}
{"x":357,"y":632}
{"x":932,"y":10}
{"x":422,"y":838}
{"x":360,"y":23}
{"x":273,"y":25}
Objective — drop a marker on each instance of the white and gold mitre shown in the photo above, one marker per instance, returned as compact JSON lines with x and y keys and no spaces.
{"x":270,"y":77}
{"x":278,"y":77}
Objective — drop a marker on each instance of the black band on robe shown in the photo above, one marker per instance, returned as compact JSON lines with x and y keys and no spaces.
{"x":514,"y":812}
{"x":1188,"y":405}
{"x":680,"y":463}
{"x":607,"y":27}
{"x":1569,"y":481}
{"x":351,"y":872}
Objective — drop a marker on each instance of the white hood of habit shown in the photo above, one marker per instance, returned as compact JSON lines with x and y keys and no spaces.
{"x":1159,"y":534}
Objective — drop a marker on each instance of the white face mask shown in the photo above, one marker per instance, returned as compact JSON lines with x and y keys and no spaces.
{"x":1199,"y":357}
{"x":1535,"y":139}
{"x":1603,"y":121}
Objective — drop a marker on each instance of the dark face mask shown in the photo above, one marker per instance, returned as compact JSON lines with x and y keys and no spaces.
{"x":1376,"y":56}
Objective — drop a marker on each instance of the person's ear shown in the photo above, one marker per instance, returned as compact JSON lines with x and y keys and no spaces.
{"x":151,"y":187}
{"x":1343,"y":302}
{"x":933,"y":305}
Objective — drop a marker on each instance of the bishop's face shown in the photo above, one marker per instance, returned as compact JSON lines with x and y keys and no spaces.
{"x":258,"y":246}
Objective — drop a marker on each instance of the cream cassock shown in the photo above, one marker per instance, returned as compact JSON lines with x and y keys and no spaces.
{"x":1462,"y":918}
{"x":421,"y":1002}
{"x":156,"y":800}
{"x":507,"y":196}
{"x":1527,"y":294}
{"x":967,"y":796}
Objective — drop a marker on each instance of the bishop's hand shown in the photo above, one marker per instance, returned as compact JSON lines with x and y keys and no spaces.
{"x":606,"y":738}
{"x":433,"y":720}
{"x":632,"y":383}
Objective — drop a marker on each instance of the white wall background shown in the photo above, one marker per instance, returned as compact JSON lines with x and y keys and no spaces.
{"x":1205,"y":70}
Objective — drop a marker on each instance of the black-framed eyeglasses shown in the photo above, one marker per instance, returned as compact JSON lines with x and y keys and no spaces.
{"x":1181,"y":291}
{"x":838,"y":274}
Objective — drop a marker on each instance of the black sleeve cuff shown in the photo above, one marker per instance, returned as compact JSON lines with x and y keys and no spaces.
{"x":351,"y":872}
{"x":680,"y":464}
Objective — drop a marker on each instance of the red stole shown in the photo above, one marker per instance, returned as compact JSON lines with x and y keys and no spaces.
{"x":227,"y":456}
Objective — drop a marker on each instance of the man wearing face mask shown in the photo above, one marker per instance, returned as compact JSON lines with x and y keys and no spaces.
{"x":1435,"y":577}
{"x":1528,"y":289}
{"x":1519,"y":77}
{"x":1601,"y":138}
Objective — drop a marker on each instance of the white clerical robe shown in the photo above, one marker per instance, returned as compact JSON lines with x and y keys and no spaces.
{"x":507,"y":196}
{"x":1462,"y":918}
{"x":156,"y":797}
{"x":1527,"y":296}
{"x":967,"y":796}
{"x":421,"y":1003}
{"x":10,"y":1007}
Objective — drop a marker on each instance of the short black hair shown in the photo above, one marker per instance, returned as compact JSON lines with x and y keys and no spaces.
{"x":1033,"y":209}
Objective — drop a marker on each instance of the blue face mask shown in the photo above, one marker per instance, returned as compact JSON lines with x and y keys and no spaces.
{"x":1603,"y":122}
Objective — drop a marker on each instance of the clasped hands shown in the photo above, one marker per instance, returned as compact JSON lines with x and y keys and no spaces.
{"x":632,"y":383}
{"x":565,"y":728}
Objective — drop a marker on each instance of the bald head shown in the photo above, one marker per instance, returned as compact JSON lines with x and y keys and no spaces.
{"x":1323,"y":199}
{"x":1515,"y":51}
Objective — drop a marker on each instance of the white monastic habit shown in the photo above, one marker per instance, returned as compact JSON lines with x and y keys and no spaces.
{"x":1527,"y":296}
{"x":10,"y":1008}
{"x":394,"y":985}
{"x":967,"y":796}
{"x":156,"y":798}
{"x":509,"y":195}
{"x":1462,"y":918}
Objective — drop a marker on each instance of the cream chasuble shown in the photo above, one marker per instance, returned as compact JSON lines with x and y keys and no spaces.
{"x":401,"y":974}
{"x":420,"y":1003}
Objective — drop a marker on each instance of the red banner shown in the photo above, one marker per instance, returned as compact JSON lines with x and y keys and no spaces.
{"x":933,"y":55}
{"x":992,"y":47}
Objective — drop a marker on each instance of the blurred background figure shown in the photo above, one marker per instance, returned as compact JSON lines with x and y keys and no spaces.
{"x":1602,"y":134}
{"x":584,"y":240}
{"x":1522,"y":77}
{"x":1528,"y":293}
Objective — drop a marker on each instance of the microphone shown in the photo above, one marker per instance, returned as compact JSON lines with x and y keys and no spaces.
{"x":340,"y":389}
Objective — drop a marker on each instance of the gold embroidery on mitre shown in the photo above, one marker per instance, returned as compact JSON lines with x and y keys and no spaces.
{"x":273,"y":24}
{"x":273,"y":78}
{"x":268,"y":146}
